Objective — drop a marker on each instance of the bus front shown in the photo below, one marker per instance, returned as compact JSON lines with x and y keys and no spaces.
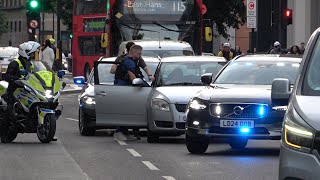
{"x":177,"y":20}
{"x":88,"y":24}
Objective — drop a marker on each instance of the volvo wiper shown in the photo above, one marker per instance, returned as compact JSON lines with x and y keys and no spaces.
{"x":168,"y":29}
{"x":184,"y":84}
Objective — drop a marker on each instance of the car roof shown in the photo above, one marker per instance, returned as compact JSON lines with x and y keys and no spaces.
{"x":164,"y":45}
{"x":270,"y":57}
{"x":146,"y":59}
{"x":193,"y":59}
{"x":7,"y":51}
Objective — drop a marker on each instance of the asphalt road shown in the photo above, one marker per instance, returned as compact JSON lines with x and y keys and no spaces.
{"x":101,"y":157}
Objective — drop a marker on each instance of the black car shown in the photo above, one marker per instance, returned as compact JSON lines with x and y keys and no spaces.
{"x":236,"y":104}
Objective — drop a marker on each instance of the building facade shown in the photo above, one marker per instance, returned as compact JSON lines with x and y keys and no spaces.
{"x":18,"y":30}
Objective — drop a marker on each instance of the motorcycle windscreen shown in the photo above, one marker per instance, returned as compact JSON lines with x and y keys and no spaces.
{"x":119,"y":105}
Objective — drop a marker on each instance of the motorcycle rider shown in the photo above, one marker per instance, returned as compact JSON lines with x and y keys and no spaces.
{"x":17,"y":69}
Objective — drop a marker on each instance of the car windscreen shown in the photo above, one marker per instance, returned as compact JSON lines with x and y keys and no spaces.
{"x":105,"y":77}
{"x":186,"y":73}
{"x":167,"y":53}
{"x":257,"y":72}
{"x":311,"y":82}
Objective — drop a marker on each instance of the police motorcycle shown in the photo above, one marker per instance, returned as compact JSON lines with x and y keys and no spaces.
{"x":36,"y":106}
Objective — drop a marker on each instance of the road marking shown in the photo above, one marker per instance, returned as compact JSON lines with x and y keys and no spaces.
{"x":134,"y":153}
{"x":122,"y":143}
{"x":72,"y":119}
{"x":150,"y":165}
{"x":168,"y":177}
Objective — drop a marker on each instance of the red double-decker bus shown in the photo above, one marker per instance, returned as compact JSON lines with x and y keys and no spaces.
{"x":178,"y":20}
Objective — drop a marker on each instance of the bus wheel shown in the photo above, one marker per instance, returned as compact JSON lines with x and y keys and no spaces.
{"x":86,"y":72}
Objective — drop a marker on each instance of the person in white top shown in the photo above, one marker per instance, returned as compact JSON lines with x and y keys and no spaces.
{"x":46,"y":55}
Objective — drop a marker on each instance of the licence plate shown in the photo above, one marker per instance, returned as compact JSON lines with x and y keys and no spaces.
{"x":236,"y":123}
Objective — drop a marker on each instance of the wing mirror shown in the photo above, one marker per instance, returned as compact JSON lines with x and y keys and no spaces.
{"x":61,"y":74}
{"x":79,"y":80}
{"x":137,"y":82}
{"x":280,"y":92}
{"x":206,"y":78}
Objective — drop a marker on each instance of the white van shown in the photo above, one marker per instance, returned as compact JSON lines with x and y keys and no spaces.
{"x":160,"y":49}
{"x":7,"y":54}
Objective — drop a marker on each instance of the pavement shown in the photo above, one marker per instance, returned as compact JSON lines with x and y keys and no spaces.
{"x":101,"y":157}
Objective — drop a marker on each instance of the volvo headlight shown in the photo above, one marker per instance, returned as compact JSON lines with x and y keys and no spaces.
{"x":296,"y":136}
{"x":195,"y":104}
{"x":89,"y":100}
{"x":48,"y":94}
{"x":160,"y":104}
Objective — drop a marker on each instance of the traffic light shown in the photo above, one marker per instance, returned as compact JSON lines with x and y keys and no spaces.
{"x":33,"y":9}
{"x":70,"y":35}
{"x":288,"y":16}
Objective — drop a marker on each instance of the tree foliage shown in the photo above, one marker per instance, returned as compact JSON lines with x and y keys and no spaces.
{"x":66,"y":13}
{"x":3,"y":23}
{"x":226,"y":13}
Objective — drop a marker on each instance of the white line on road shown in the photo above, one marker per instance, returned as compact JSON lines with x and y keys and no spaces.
{"x":150,"y":165}
{"x":122,"y":143}
{"x":168,"y":177}
{"x":134,"y":153}
{"x":72,"y":119}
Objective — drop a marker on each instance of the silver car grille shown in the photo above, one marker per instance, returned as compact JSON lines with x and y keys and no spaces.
{"x":239,"y":111}
{"x":181,"y":107}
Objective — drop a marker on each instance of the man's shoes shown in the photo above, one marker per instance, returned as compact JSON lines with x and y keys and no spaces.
{"x":120,"y":136}
{"x":131,"y":138}
{"x":54,"y":139}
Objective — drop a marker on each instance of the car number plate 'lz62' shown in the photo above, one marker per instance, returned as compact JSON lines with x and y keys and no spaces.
{"x":236,"y":123}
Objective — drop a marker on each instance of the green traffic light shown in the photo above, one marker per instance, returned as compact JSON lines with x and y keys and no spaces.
{"x":71,"y":36}
{"x":34,"y":4}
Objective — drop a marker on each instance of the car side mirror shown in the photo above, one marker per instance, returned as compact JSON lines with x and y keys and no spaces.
{"x":280,"y":91}
{"x":79,"y":80}
{"x":137,"y":82}
{"x":206,"y":78}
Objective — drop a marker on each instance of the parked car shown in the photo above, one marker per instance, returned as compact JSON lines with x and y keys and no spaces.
{"x":236,"y":104}
{"x":300,"y":145}
{"x":159,"y":107}
{"x":7,"y":54}
{"x":164,"y":48}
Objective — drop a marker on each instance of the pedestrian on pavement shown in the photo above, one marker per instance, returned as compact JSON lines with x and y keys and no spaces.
{"x":46,"y":55}
{"x":276,"y":48}
{"x":124,"y":77}
{"x":53,"y":42}
{"x":294,"y":50}
{"x":238,"y":51}
{"x":302,"y":47}
{"x":226,"y":53}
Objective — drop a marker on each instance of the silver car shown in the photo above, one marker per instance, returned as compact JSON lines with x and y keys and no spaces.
{"x":7,"y":54}
{"x":159,"y":107}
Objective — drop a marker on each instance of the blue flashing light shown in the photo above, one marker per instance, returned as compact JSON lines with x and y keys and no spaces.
{"x":79,"y":81}
{"x":245,"y":130}
{"x":261,"y":111}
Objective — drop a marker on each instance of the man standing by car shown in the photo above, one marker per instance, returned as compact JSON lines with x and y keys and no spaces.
{"x":141,"y":63}
{"x":226,"y":52}
{"x":124,"y":76}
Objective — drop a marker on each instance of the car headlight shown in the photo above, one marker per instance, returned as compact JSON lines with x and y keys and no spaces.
{"x":195,"y":104}
{"x":160,"y":104}
{"x":89,"y":100}
{"x":296,"y":136}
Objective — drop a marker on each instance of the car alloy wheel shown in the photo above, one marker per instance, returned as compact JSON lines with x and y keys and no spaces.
{"x":84,"y":130}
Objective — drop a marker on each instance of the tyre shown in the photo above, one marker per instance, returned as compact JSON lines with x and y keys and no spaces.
{"x":8,"y":136}
{"x":152,"y":138}
{"x":238,"y":143}
{"x":47,"y":130}
{"x":86,"y":72}
{"x":197,"y":145}
{"x":83,"y":128}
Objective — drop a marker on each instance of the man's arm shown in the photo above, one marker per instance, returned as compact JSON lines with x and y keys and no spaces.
{"x":12,"y":72}
{"x":113,"y":68}
{"x":148,"y":72}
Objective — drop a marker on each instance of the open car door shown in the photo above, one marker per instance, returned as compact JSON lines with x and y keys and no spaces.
{"x":118,"y":105}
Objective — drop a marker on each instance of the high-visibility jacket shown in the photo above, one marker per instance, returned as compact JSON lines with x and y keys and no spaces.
{"x":21,"y":68}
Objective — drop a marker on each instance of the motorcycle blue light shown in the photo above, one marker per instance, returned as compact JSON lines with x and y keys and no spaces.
{"x":261,"y":111}
{"x":78,"y":82}
{"x":244,"y":130}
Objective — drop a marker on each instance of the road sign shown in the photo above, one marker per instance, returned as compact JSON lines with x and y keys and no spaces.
{"x":33,"y":24}
{"x":251,"y":8}
{"x":251,"y":22}
{"x":204,"y":9}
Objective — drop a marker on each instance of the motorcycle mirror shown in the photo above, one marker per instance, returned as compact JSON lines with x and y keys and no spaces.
{"x":61,"y":74}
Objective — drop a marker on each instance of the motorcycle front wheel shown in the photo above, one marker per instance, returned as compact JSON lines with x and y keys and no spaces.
{"x":47,"y":130}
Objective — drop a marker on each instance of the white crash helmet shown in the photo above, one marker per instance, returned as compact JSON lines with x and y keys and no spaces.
{"x":27,"y":48}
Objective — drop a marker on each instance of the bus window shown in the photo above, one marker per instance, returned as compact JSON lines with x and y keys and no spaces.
{"x":90,"y":46}
{"x":83,"y":7}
